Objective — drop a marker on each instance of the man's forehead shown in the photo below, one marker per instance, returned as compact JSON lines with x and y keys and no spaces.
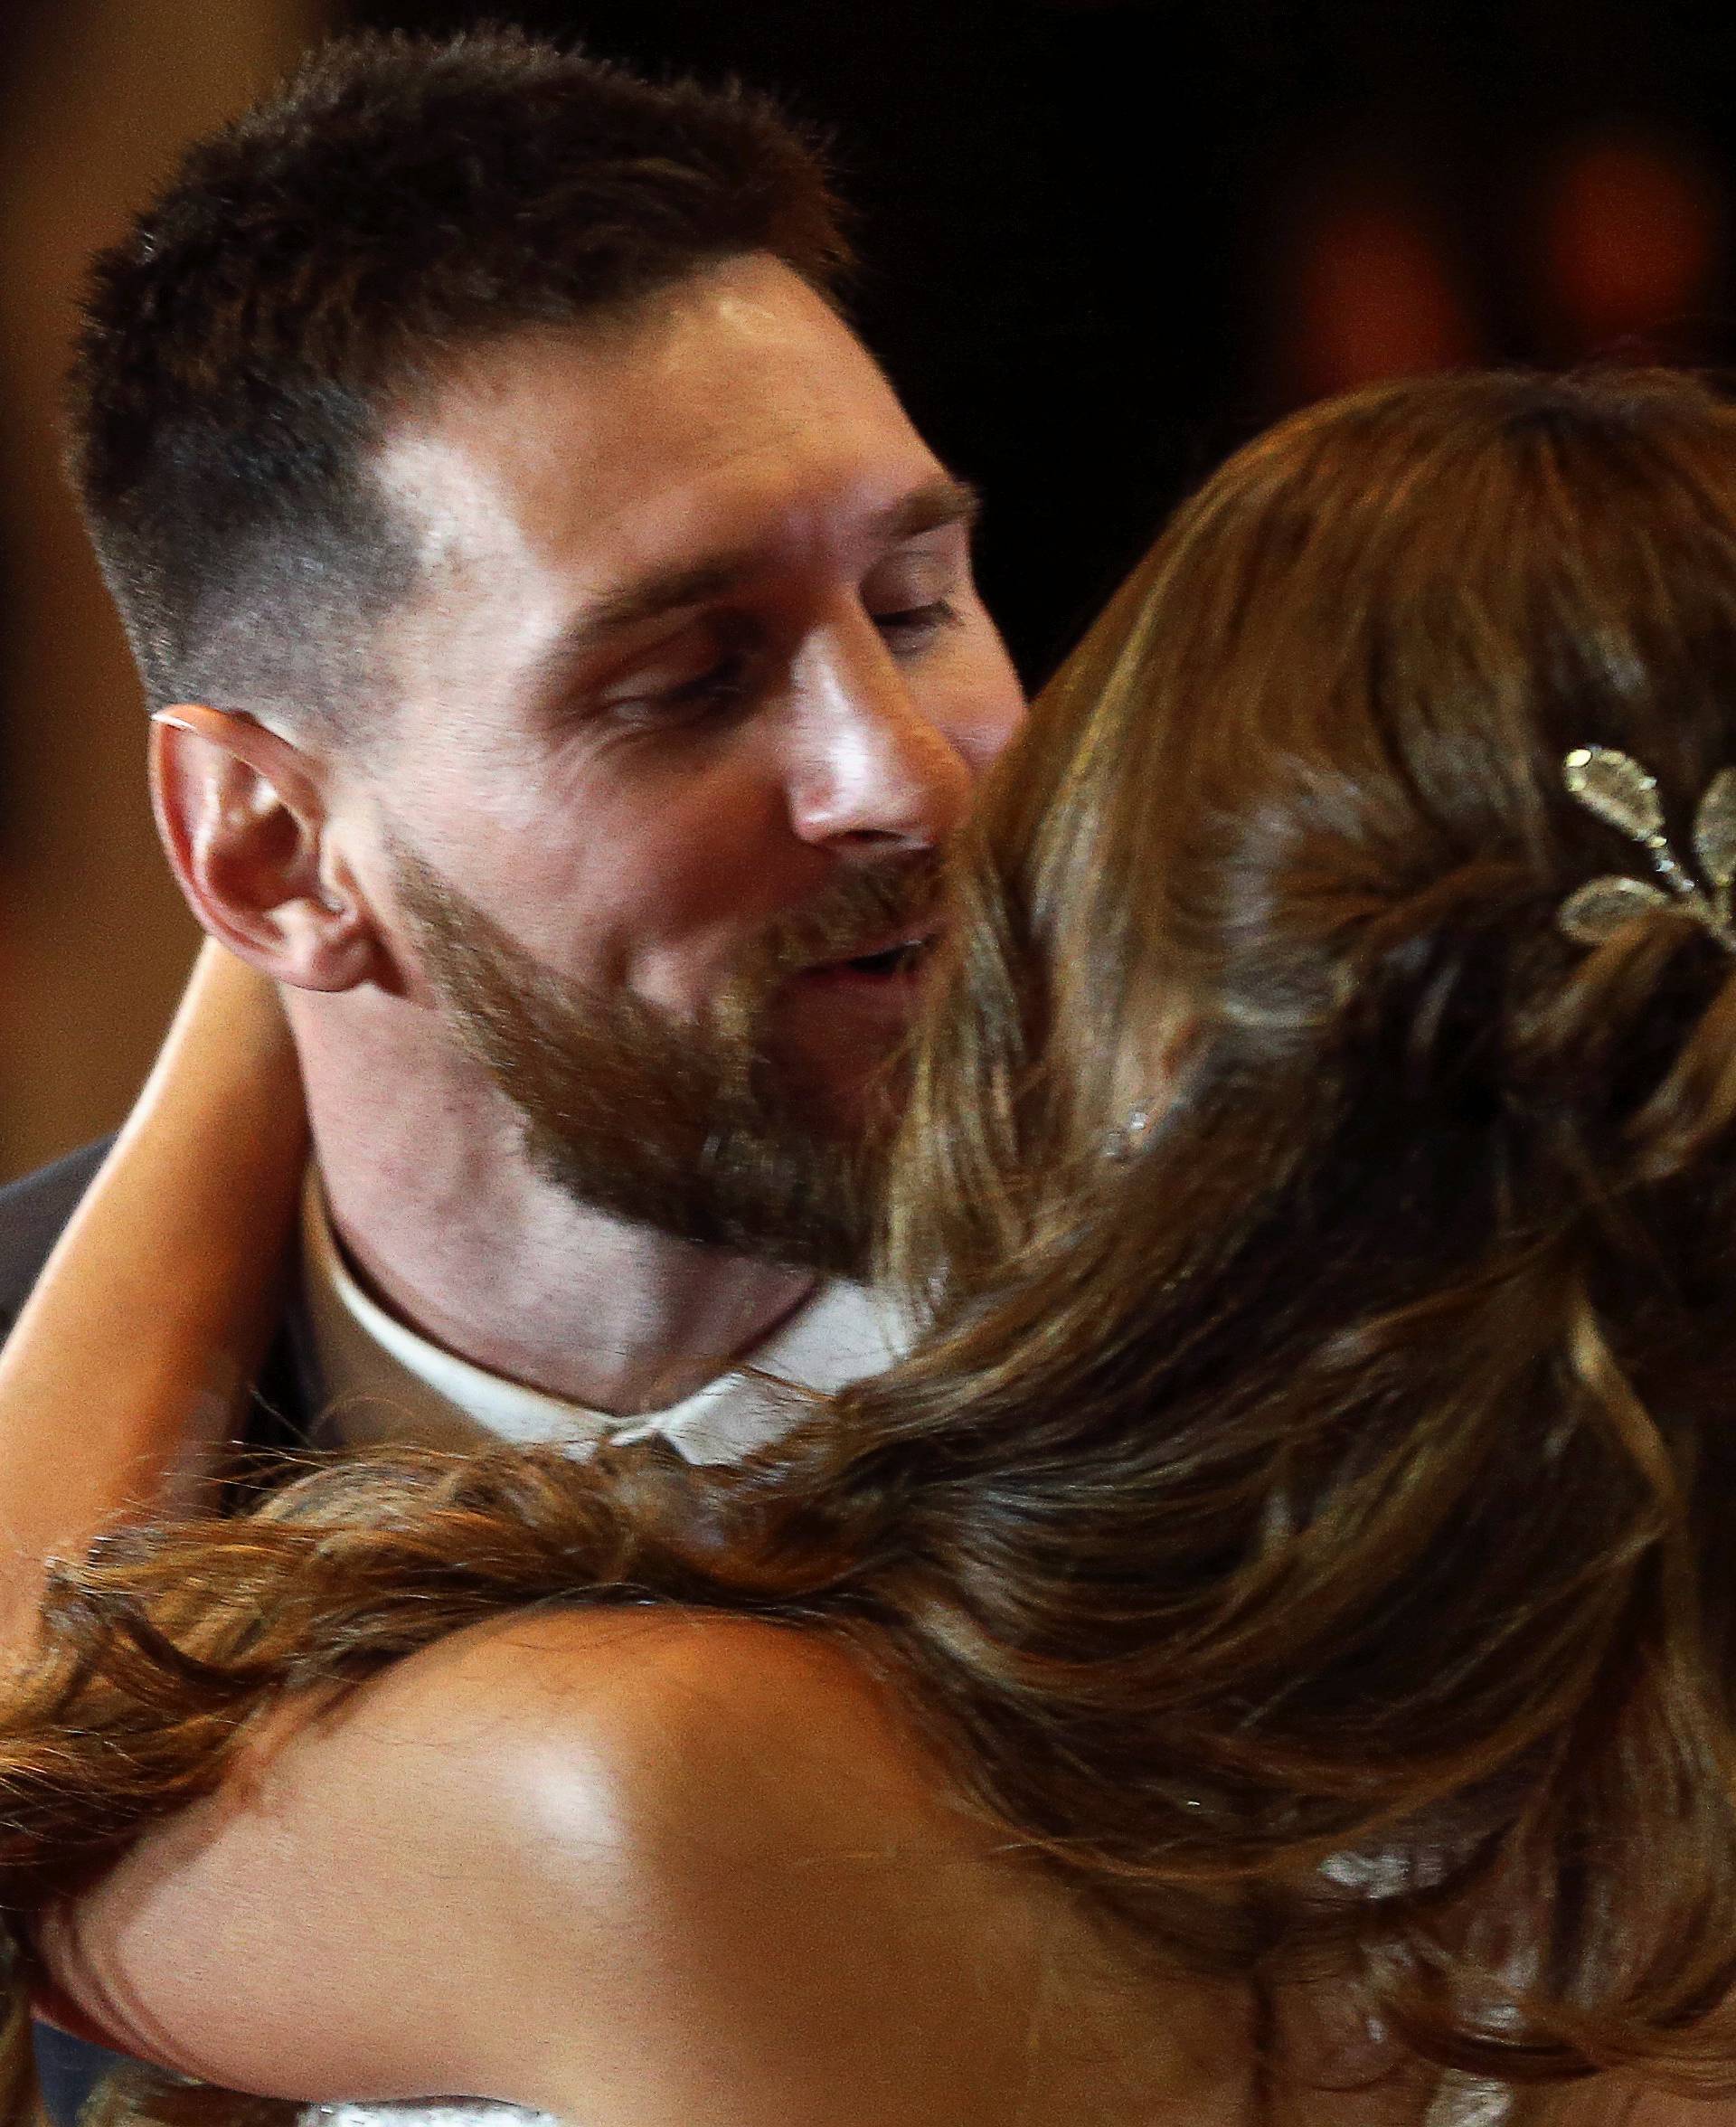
{"x":613,"y":608}
{"x":562,"y":454}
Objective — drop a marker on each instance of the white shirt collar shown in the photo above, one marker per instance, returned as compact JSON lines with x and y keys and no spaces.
{"x":377,"y":1381}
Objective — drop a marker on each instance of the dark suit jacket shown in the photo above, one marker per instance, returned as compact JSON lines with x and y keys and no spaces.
{"x":31,"y":1214}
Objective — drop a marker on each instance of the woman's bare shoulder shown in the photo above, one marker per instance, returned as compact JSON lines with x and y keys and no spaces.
{"x":826,"y":1930}
{"x":719,"y":1849}
{"x":686,"y":1719}
{"x":638,"y":1867}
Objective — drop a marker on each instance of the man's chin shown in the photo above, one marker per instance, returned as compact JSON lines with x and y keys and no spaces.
{"x":799,"y":1201}
{"x":744,"y":1129}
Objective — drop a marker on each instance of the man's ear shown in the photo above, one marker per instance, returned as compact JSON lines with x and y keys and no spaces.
{"x":243,"y":814}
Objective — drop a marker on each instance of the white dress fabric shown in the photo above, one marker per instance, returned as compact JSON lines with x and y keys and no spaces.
{"x":1460,"y":2100}
{"x":1467,"y":2100}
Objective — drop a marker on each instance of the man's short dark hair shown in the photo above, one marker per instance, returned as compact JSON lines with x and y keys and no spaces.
{"x":400,"y":199}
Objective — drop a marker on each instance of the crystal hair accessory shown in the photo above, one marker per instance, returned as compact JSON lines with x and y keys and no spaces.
{"x":1616,"y":789}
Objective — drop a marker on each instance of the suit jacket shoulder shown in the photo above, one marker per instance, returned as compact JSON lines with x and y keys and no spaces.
{"x":32,"y":1214}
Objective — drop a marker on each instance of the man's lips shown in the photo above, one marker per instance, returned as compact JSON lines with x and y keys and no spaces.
{"x":894,"y":954}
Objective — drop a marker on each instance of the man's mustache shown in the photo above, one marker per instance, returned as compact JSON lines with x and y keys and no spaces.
{"x":866,"y":908}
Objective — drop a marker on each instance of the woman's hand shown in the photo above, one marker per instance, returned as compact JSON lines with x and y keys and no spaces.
{"x":122,"y":1384}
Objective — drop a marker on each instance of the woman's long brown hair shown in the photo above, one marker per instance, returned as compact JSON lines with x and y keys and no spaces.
{"x":1305,"y":1517}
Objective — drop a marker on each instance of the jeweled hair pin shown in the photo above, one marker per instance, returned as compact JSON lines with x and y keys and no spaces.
{"x":1613,"y":785}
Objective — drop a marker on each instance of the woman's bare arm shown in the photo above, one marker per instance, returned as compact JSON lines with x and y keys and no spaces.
{"x":120,"y":1382}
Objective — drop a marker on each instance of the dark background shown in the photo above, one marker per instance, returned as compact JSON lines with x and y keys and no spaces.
{"x":1045,"y":204}
{"x":1102,"y":241}
{"x":1094,"y":233}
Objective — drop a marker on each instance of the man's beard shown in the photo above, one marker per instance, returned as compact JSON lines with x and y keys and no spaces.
{"x":702,"y":1128}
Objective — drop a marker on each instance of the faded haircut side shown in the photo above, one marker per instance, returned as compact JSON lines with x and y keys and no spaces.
{"x":310,"y":264}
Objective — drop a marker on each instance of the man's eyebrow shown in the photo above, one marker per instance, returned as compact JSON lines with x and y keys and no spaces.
{"x":630,"y":605}
{"x":928,"y":508}
{"x":649,"y":598}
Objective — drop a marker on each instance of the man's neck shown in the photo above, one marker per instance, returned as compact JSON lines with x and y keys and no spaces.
{"x":432,"y":1197}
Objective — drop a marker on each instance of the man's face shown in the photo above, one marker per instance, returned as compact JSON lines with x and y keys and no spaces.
{"x":696,"y":689}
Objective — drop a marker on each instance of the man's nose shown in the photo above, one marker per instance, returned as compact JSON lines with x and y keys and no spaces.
{"x":876,"y":765}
